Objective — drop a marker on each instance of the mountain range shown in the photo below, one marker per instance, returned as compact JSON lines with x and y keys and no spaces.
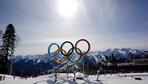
{"x":30,"y":65}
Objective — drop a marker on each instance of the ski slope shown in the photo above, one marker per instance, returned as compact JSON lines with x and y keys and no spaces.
{"x":128,"y":78}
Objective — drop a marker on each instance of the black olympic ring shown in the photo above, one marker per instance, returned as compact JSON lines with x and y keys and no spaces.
{"x":72,"y":49}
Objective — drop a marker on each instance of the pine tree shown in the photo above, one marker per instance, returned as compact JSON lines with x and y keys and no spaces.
{"x":8,"y":45}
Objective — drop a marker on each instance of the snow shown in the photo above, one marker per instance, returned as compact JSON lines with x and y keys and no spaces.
{"x":128,"y":78}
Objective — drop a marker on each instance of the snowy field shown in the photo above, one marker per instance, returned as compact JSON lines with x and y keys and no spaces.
{"x":128,"y":78}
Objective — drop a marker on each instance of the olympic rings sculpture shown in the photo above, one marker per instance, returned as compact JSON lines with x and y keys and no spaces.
{"x":68,"y":55}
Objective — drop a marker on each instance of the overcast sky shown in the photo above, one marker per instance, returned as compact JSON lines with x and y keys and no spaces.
{"x":105,"y":23}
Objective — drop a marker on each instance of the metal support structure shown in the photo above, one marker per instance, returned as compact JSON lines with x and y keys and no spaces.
{"x":67,"y":70}
{"x":52,"y":67}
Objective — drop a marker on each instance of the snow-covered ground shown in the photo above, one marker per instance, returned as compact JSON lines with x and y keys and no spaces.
{"x":128,"y":78}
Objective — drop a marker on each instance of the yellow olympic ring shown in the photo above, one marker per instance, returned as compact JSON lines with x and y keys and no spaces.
{"x":59,"y":61}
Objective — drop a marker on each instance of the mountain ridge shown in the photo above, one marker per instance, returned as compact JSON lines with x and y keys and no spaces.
{"x":42,"y":63}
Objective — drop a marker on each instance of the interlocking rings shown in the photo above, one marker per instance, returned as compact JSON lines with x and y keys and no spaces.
{"x":77,"y":60}
{"x":71,"y":50}
{"x":55,"y":57}
{"x":69,"y":54}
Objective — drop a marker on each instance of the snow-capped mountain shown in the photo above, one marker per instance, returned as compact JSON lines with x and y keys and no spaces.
{"x":42,"y":63}
{"x":32,"y":64}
